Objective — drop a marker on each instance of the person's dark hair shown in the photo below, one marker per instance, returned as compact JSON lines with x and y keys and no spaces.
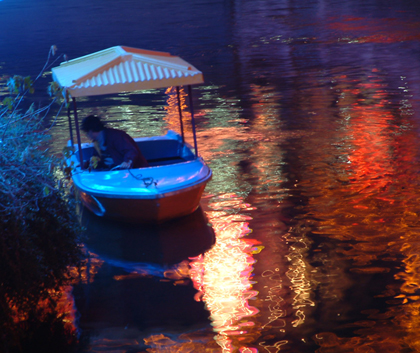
{"x":92,"y":123}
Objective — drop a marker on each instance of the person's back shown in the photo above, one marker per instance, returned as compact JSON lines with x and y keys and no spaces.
{"x":113,"y":147}
{"x":123,"y":148}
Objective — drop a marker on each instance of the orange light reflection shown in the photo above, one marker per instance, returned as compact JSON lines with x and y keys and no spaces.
{"x":172,"y":111}
{"x":370,"y":203}
{"x":61,"y":302}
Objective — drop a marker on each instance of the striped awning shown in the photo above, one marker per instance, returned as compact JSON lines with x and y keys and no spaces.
{"x":124,"y":69}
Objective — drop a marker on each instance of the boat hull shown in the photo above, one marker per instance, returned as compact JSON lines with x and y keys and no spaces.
{"x":137,"y":210}
{"x":171,"y":187}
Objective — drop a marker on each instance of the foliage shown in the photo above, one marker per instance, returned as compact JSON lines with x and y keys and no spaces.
{"x":39,"y":232}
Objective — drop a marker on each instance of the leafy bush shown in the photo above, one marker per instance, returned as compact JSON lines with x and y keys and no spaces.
{"x":39,"y":232}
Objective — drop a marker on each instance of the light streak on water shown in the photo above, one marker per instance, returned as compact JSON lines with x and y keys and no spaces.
{"x":223,"y":275}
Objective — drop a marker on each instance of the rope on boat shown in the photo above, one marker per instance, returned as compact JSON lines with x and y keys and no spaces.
{"x":147,"y":181}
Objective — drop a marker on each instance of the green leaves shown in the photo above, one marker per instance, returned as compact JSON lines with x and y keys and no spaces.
{"x":68,"y":151}
{"x":53,"y":49}
{"x":19,"y":85}
{"x":8,"y":102}
{"x":39,"y":230}
{"x":54,"y":90}
{"x":46,"y":191}
{"x":94,"y":161}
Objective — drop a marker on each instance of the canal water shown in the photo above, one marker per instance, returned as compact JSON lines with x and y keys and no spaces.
{"x":308,"y":235}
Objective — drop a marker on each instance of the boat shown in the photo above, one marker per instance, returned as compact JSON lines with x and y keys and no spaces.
{"x":173,"y":184}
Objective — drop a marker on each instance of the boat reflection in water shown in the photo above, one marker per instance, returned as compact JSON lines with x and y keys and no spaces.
{"x":136,"y":287}
{"x":167,"y":243}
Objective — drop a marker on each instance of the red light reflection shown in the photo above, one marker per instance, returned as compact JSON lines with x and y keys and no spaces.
{"x":384,"y":31}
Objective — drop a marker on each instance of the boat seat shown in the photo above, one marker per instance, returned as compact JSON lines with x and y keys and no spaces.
{"x":159,"y":149}
{"x":163,"y":152}
{"x":165,"y":161}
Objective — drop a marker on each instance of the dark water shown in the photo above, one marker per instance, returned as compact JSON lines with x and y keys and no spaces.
{"x":309,"y":118}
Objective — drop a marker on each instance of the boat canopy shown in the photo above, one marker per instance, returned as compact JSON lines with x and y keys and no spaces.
{"x":123,"y":69}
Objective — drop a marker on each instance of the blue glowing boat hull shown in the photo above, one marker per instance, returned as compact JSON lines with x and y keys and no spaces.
{"x":170,"y":188}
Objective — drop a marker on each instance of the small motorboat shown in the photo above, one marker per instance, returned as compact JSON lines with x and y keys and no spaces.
{"x":172,"y":185}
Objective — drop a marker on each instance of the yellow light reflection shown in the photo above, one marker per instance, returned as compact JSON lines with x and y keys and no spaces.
{"x":296,"y":277}
{"x":222,"y":275}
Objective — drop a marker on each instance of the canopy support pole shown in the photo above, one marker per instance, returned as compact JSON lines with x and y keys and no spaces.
{"x":70,"y":126}
{"x":79,"y":144}
{"x":180,"y":114}
{"x":192,"y":120}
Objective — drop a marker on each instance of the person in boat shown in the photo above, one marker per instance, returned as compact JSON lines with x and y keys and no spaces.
{"x":113,"y":147}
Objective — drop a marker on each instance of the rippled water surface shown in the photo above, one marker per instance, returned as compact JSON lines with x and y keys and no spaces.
{"x":308,"y":236}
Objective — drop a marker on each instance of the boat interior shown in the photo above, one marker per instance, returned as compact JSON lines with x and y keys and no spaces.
{"x":156,"y":151}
